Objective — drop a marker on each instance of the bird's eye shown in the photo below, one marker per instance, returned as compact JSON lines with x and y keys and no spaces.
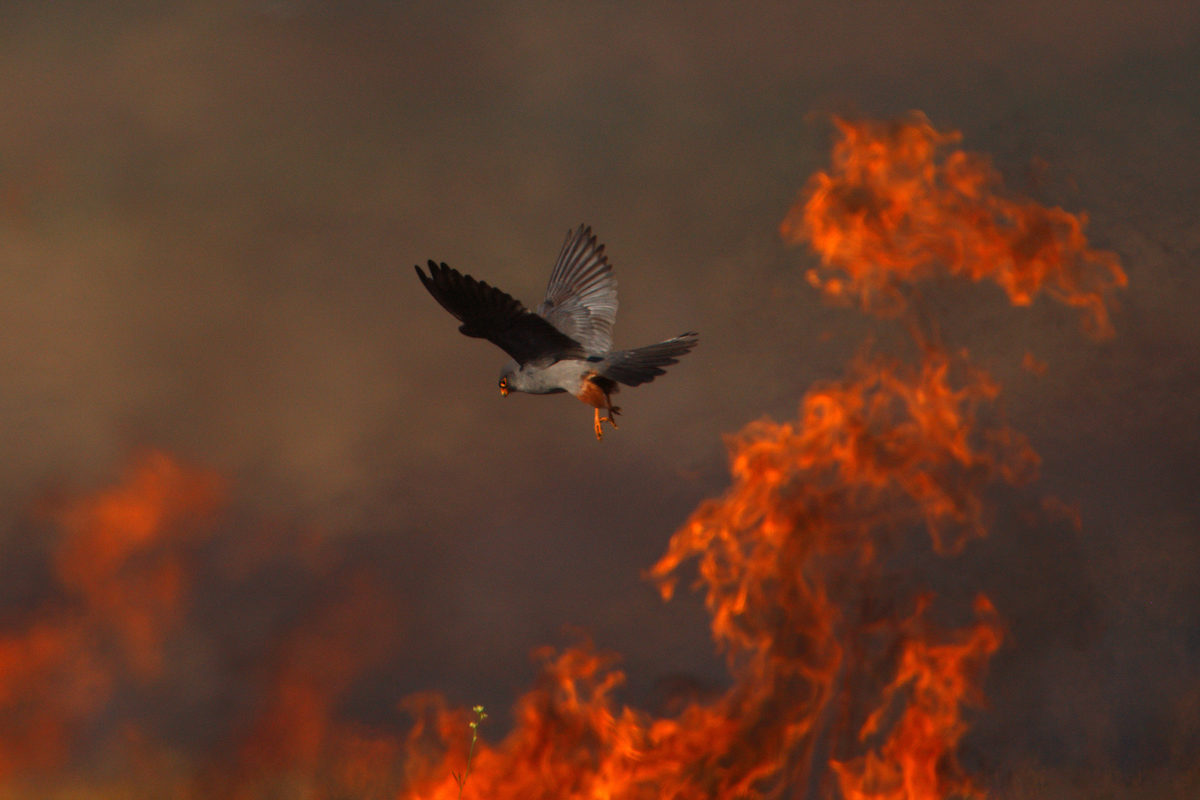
{"x":504,"y":383}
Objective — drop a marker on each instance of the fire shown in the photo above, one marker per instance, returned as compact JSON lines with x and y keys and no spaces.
{"x":793,"y":562}
{"x":121,"y":582}
{"x":841,"y":686}
{"x":899,"y":203}
{"x":792,"y":557}
{"x":115,"y":557}
{"x":933,"y":680}
{"x":848,"y":678}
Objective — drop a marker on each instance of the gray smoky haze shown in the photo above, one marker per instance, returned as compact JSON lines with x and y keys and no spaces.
{"x":209,"y":216}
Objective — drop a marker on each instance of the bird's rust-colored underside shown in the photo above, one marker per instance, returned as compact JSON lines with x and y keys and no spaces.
{"x":595,"y":395}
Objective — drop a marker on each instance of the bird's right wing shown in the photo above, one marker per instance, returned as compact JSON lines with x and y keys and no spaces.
{"x":488,"y":313}
{"x":581,"y":297}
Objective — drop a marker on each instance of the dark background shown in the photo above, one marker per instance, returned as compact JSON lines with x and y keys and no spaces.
{"x":208,"y":220}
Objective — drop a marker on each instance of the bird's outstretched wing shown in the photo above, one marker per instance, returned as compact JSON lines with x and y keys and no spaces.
{"x":488,"y":313}
{"x":644,"y":364}
{"x":581,"y":298}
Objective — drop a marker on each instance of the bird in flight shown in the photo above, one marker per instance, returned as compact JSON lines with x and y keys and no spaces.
{"x":566,"y":346}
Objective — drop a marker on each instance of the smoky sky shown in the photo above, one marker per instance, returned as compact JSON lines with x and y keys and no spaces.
{"x":209,"y":215}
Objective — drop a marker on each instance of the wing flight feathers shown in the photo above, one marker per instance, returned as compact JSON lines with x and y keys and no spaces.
{"x":581,"y":296}
{"x":489,"y":313}
{"x":644,"y":364}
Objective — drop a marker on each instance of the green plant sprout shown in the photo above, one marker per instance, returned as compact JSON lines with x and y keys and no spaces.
{"x":461,"y":780}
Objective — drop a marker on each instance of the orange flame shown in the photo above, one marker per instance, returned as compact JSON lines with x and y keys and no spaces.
{"x":899,"y":204}
{"x":121,"y":583}
{"x":791,"y":559}
{"x":932,"y":682}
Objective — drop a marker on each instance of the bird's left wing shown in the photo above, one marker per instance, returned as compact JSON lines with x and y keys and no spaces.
{"x":488,"y":313}
{"x":581,"y":297}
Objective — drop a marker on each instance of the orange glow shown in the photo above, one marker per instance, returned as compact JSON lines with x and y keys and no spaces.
{"x":1034,"y":365}
{"x":121,"y":584}
{"x":900,"y":203}
{"x":118,"y":556}
{"x":296,"y":735}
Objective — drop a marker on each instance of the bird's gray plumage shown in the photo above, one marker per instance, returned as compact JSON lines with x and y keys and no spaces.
{"x":644,"y":364}
{"x":581,"y":296}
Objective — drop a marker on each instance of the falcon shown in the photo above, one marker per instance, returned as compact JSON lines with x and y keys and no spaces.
{"x":566,"y":345}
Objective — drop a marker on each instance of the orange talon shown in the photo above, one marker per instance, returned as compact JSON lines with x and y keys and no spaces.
{"x":610,"y":418}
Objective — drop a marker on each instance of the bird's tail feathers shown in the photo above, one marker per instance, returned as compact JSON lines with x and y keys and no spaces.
{"x":644,"y":364}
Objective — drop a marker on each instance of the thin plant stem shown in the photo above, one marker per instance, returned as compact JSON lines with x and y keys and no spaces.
{"x":461,"y":780}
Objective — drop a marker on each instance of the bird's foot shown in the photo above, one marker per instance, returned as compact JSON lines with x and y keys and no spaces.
{"x":610,"y":418}
{"x":599,"y":421}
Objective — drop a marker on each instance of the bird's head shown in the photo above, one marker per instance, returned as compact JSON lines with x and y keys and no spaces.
{"x":506,"y":378}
